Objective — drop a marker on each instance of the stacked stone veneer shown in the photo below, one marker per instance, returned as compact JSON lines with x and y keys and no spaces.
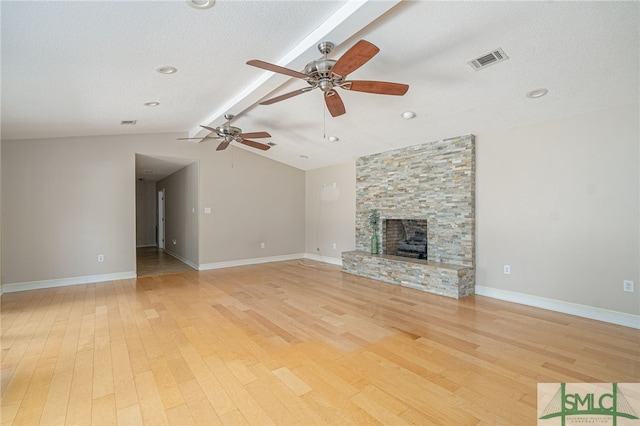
{"x":433,"y":181}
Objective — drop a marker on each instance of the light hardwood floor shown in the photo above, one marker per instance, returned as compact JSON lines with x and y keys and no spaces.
{"x":288,"y":344}
{"x":155,"y":261}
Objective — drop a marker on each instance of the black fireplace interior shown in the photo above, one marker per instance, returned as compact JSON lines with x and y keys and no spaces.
{"x":406,"y":237}
{"x":415,"y":246}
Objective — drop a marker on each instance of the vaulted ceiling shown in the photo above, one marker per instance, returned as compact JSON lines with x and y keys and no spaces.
{"x":78,"y":68}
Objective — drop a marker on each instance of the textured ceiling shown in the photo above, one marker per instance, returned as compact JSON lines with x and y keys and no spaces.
{"x":79,"y":68}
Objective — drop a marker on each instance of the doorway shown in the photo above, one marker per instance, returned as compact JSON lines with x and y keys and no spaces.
{"x":166,"y":240}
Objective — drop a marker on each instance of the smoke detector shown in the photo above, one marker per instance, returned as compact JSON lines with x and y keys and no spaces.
{"x":488,"y":59}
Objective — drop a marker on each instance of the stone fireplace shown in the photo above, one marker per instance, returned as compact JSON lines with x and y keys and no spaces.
{"x":431,"y":187}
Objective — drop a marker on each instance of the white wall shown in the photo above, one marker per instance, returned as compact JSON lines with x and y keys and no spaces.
{"x":558,"y":202}
{"x":253,"y":200}
{"x":67,"y":200}
{"x":330,"y":214}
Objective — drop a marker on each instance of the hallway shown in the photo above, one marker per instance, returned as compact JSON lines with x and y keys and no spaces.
{"x":155,"y":261}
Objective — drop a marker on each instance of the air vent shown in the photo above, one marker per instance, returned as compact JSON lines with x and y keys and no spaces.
{"x":487,"y":59}
{"x":128,"y":122}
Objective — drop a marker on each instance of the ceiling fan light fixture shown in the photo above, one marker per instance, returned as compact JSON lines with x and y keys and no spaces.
{"x":201,"y":4}
{"x":167,"y":70}
{"x":408,"y":115}
{"x":537,"y":93}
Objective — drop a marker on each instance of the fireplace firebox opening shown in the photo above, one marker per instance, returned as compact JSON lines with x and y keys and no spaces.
{"x":406,"y":237}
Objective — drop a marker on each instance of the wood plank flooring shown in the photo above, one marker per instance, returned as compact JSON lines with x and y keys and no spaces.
{"x":289,"y":344}
{"x":155,"y":261}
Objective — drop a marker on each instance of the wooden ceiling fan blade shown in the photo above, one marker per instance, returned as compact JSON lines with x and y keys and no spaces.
{"x":223,"y":145}
{"x":255,"y":144}
{"x":276,"y":68}
{"x":334,"y":103}
{"x":378,"y":87}
{"x":354,"y":58}
{"x":286,"y":96}
{"x":255,"y":135}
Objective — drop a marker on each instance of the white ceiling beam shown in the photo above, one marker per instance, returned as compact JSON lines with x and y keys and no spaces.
{"x":348,"y":20}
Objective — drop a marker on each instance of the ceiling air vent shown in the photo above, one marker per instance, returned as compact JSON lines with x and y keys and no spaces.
{"x":487,"y":59}
{"x":128,"y":122}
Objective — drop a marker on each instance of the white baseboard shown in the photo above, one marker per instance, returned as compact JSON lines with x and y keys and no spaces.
{"x":324,"y":259}
{"x":253,"y":261}
{"x":90,"y":279}
{"x":181,"y":259}
{"x":585,"y":311}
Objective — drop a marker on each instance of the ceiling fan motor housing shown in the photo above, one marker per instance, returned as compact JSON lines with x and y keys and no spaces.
{"x":228,"y":131}
{"x":320,"y":73}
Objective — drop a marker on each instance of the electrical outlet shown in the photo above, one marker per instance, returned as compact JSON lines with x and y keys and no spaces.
{"x":262,"y":245}
{"x":507,"y":269}
{"x":101,"y":258}
{"x":334,"y":246}
{"x":627,"y":285}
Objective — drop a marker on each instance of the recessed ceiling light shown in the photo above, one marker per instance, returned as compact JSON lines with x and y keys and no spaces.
{"x":148,"y":172}
{"x":333,"y":138}
{"x":167,"y":70}
{"x":537,"y":93}
{"x":304,"y":157}
{"x":151,"y":104}
{"x":408,"y":115}
{"x":201,"y":4}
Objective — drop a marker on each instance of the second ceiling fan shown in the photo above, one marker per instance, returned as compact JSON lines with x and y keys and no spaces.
{"x":329,"y":74}
{"x":229,"y":134}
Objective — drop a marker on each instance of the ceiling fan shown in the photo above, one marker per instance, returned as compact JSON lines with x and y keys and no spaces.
{"x":229,"y":134}
{"x":328,"y":74}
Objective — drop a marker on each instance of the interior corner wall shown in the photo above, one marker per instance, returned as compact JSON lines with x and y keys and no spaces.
{"x":330,"y":210}
{"x":180,"y":212}
{"x":559,"y":203}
